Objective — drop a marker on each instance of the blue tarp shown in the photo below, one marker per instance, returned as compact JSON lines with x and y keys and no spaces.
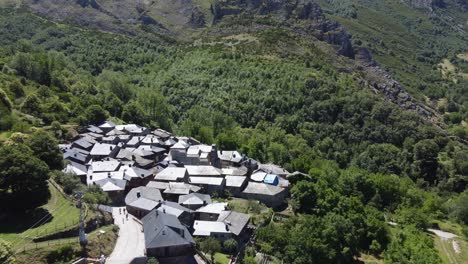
{"x":271,"y":179}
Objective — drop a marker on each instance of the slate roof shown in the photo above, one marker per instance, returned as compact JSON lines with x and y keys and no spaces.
{"x":258,"y":176}
{"x":144,"y":198}
{"x":162,"y":133}
{"x":124,"y":153}
{"x":111,"y":184}
{"x":106,"y":165}
{"x":170,"y":142}
{"x":94,"y":129}
{"x":198,"y":149}
{"x":74,"y":154}
{"x":164,"y":230}
{"x":151,"y":139}
{"x":235,"y":181}
{"x":273,"y":169}
{"x":234,"y":220}
{"x":85,"y":142}
{"x":103,"y":175}
{"x":115,"y":132}
{"x":107,"y":124}
{"x":205,"y":228}
{"x":180,"y":188}
{"x":93,"y":136}
{"x":158,"y":185}
{"x":236,"y":171}
{"x":218,"y":181}
{"x":76,"y":168}
{"x":213,"y":208}
{"x":203,"y":170}
{"x":230,"y":155}
{"x":262,"y":188}
{"x":102,"y":149}
{"x":151,"y":149}
{"x":135,"y":172}
{"x":172,"y":208}
{"x":171,"y":174}
{"x":194,"y":199}
{"x":180,"y":145}
{"x":134,"y":141}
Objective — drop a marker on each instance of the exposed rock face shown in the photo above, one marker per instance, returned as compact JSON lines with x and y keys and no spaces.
{"x":306,"y":16}
{"x":382,"y":82}
{"x":197,"y":18}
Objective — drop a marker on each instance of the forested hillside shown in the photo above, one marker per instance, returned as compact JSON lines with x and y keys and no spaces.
{"x":277,"y":94}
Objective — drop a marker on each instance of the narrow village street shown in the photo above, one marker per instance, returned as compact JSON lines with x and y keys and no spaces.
{"x":131,"y":241}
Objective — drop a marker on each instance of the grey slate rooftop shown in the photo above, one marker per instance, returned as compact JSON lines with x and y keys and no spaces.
{"x":164,"y":230}
{"x":195,"y":199}
{"x":144,"y":198}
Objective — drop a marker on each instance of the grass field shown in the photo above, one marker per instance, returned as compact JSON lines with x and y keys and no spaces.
{"x":448,"y":254}
{"x":221,"y":258}
{"x":97,"y":244}
{"x":58,"y":214}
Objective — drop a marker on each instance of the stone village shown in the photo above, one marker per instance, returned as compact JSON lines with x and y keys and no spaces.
{"x":168,"y":182}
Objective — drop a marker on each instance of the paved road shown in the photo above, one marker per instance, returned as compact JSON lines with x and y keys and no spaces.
{"x":131,"y":241}
{"x":442,"y":234}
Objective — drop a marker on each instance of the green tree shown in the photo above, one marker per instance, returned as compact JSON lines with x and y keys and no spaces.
{"x":31,"y":105}
{"x":69,"y":182}
{"x":230,"y":245}
{"x":116,"y":83}
{"x":210,"y":246}
{"x":134,"y":113}
{"x":95,"y":114}
{"x":411,"y":216}
{"x":425,"y":156}
{"x":411,"y":246}
{"x":152,"y":261}
{"x":458,"y":208}
{"x":304,"y":195}
{"x":383,"y":158}
{"x":95,"y":195}
{"x":45,"y":147}
{"x":22,"y":176}
{"x":16,"y":88}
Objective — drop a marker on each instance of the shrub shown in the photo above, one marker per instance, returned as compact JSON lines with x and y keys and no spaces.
{"x":62,"y":254}
{"x":230,"y":245}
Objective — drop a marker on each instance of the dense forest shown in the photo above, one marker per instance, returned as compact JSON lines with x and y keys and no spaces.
{"x":367,"y":160}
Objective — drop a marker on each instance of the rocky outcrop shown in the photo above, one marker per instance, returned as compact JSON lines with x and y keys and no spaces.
{"x":383,"y":82}
{"x":305,"y":16}
{"x":197,"y":18}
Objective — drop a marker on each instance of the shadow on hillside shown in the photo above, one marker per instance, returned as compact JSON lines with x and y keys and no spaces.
{"x":20,"y":222}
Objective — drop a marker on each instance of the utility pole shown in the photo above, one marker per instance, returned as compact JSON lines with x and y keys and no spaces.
{"x":82,"y":234}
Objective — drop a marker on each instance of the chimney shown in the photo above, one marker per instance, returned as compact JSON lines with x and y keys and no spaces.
{"x":227,"y":227}
{"x":110,"y":147}
{"x":138,"y":194}
{"x":204,"y":202}
{"x":91,"y":177}
{"x":164,"y":210}
{"x":108,"y":175}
